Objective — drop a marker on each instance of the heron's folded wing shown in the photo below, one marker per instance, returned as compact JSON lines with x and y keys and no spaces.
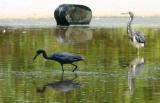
{"x":140,"y":37}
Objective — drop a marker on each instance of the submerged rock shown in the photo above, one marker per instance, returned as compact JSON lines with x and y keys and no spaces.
{"x":72,"y":14}
{"x":73,"y":34}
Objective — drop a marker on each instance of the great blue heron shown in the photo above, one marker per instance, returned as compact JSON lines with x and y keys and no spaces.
{"x":62,"y":58}
{"x":136,"y":37}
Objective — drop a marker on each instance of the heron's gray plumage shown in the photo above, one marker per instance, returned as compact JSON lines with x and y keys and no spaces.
{"x":136,"y":37}
{"x":140,"y":37}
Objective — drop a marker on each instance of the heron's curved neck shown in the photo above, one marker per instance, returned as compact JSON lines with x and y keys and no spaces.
{"x":45,"y":55}
{"x":129,"y":28}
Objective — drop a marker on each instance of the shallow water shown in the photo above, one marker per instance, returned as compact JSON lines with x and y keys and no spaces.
{"x":106,"y":76}
{"x":97,"y":22}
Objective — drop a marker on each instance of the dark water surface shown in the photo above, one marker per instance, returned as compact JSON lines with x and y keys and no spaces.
{"x":111,"y":73}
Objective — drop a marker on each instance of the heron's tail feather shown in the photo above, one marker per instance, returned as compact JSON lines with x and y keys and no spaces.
{"x":79,"y":57}
{"x":82,"y":58}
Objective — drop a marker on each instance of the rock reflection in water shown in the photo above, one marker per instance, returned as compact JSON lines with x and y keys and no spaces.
{"x":63,"y":85}
{"x":136,"y":68}
{"x":73,"y":35}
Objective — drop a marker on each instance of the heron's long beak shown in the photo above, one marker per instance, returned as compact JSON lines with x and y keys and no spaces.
{"x":124,"y":13}
{"x":35,"y":56}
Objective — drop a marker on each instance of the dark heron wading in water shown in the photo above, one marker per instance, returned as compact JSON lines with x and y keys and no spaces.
{"x":62,"y":58}
{"x":137,"y":38}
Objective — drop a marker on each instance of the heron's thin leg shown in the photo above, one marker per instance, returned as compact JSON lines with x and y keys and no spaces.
{"x":62,"y":67}
{"x":62,"y":75}
{"x":138,"y":52}
{"x":74,"y":68}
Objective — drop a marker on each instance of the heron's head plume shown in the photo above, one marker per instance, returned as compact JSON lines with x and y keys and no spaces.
{"x":38,"y":53}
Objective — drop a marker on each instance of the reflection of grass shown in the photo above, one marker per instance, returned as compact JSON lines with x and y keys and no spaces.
{"x":108,"y":46}
{"x":108,"y":52}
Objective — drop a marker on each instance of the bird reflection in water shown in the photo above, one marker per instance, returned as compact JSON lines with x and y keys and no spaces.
{"x":73,"y":35}
{"x":136,"y":68}
{"x":63,"y":85}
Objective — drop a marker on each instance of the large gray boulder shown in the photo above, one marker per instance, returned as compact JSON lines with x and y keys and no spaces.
{"x":72,"y":14}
